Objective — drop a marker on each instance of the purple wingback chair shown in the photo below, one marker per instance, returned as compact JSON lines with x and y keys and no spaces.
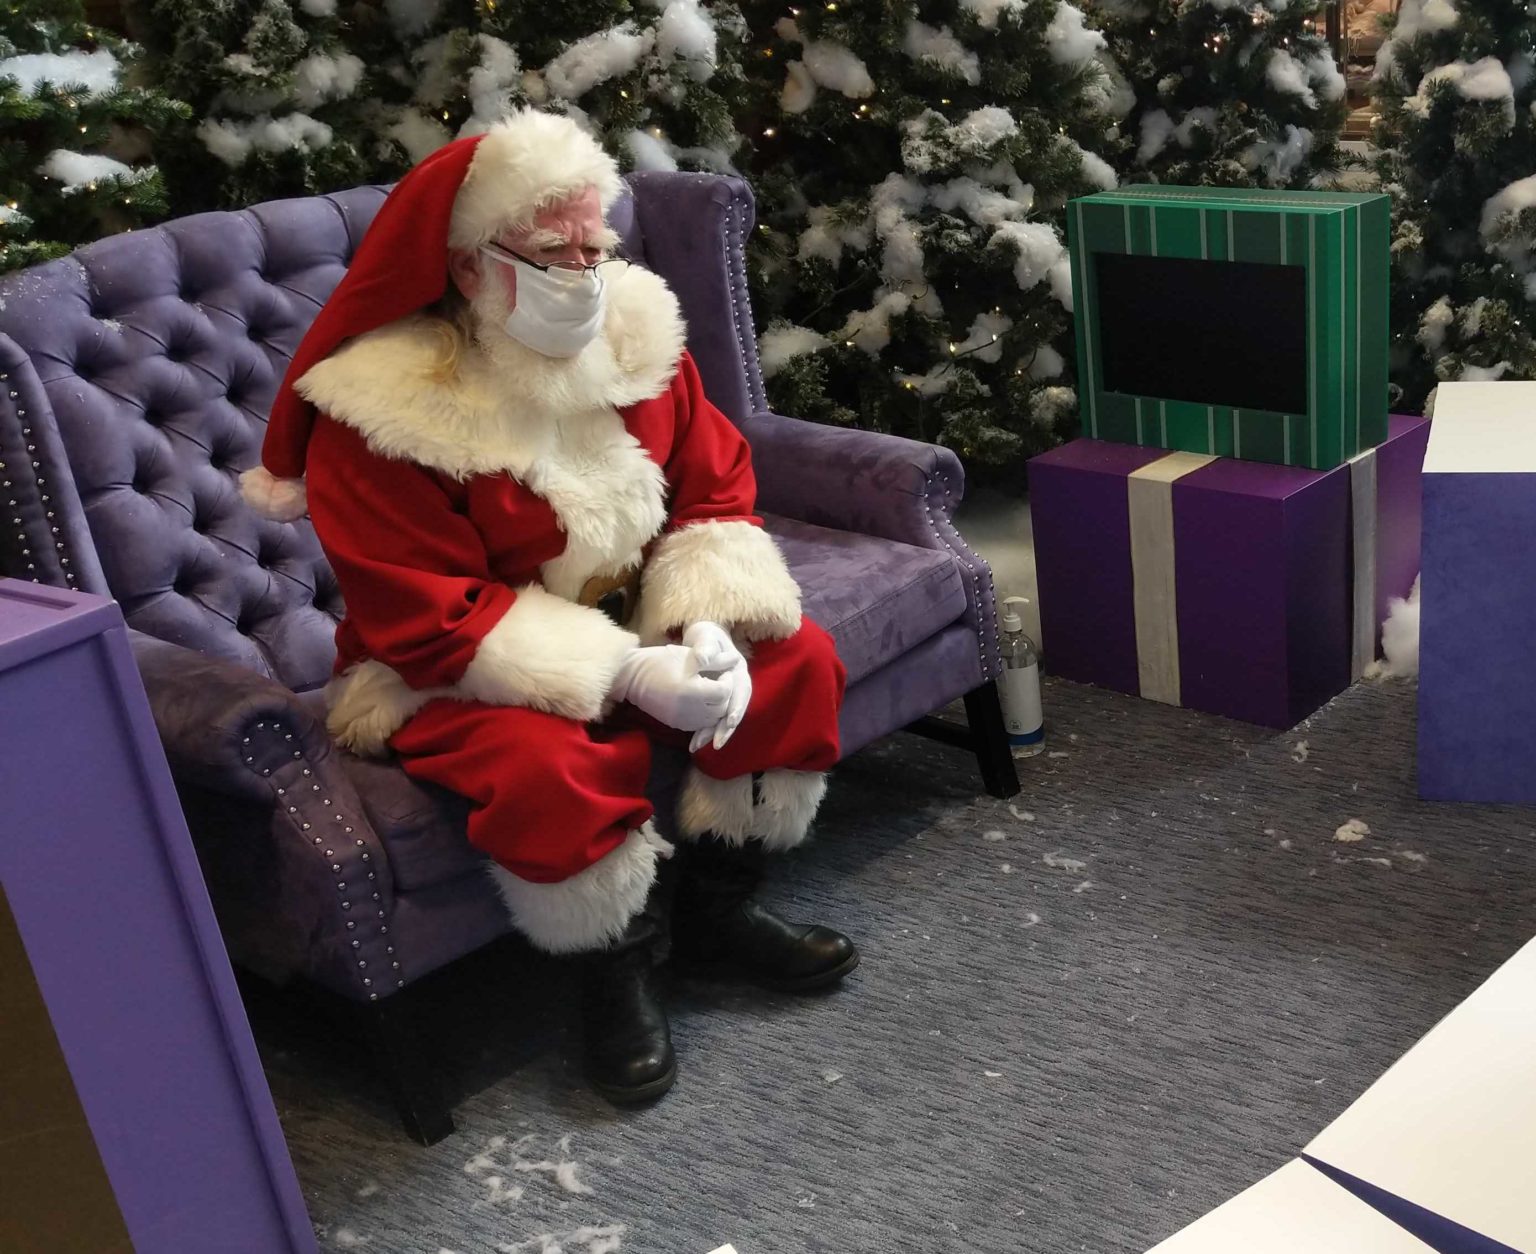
{"x":135,"y":379}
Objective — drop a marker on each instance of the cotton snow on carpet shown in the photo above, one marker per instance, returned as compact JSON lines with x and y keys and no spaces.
{"x":1084,"y":1017}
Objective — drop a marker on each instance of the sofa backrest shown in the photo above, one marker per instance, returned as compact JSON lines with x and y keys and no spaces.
{"x":135,"y":380}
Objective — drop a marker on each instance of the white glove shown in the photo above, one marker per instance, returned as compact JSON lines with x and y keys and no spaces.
{"x":664,"y":681}
{"x":716,"y":654}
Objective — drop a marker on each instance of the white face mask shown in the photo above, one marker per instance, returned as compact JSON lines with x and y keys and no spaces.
{"x":557,"y":312}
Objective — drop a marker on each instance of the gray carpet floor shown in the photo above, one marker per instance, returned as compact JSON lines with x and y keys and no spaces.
{"x":1084,"y":1018}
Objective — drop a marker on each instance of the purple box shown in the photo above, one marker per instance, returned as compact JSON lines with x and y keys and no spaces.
{"x":1239,"y":588}
{"x":142,"y":1118}
{"x":1477,"y":659}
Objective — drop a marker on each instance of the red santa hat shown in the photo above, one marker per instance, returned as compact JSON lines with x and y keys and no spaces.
{"x":463,"y":195}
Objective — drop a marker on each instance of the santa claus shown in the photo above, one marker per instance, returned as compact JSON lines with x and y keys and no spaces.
{"x":544,"y":534}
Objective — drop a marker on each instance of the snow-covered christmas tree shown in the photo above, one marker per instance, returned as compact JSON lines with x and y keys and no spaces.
{"x":911,"y":162}
{"x":1231,"y":93}
{"x":297,"y":96}
{"x":71,"y":161}
{"x":287,"y":97}
{"x":1455,"y":86}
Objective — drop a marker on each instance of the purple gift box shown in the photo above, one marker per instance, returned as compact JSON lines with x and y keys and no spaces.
{"x":1477,"y":659}
{"x":1239,"y":588}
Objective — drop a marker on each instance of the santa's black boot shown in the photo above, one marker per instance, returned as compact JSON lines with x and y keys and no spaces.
{"x":627,"y":1043}
{"x":717,"y":926}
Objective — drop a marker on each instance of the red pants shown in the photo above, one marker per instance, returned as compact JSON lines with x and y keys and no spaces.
{"x":552,"y":796}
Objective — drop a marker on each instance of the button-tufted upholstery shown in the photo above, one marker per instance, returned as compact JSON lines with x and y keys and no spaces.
{"x":135,"y":378}
{"x":159,"y":353}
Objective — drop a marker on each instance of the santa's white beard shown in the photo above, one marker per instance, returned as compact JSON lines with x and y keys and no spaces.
{"x":567,"y":383}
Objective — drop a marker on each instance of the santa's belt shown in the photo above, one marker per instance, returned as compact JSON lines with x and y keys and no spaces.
{"x":615,"y":595}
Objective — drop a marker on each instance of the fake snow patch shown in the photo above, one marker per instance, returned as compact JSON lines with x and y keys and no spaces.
{"x":1059,"y":863}
{"x":578,"y":1241}
{"x":1006,"y":868}
{"x":1399,"y":639}
{"x":499,"y":1159}
{"x":831,"y":1077}
{"x":1381,"y":862}
{"x":808,"y":1202}
{"x":993,"y":1075}
{"x":1023,"y":816}
{"x":1352,"y":832}
{"x":994,"y":837}
{"x":367,"y":1191}
{"x":1300,"y":752}
{"x":1083,"y":887}
{"x":1410,"y":855}
{"x":1031,"y":919}
{"x":346,"y":1239}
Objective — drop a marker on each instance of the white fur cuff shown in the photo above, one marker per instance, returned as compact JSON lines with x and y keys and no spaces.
{"x":280,"y":500}
{"x":368,"y":703}
{"x":591,"y":909}
{"x":550,"y":654}
{"x":786,"y":806}
{"x":730,"y":573}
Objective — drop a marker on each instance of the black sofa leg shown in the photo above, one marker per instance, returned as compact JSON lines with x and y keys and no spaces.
{"x":394,"y":1032}
{"x":984,"y":735}
{"x":984,"y":713}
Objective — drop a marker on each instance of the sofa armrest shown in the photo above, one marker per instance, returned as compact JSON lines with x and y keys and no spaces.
{"x":852,"y":480}
{"x":234,"y":732}
{"x":874,"y":485}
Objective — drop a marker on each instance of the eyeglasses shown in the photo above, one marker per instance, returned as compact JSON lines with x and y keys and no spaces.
{"x":609,"y":265}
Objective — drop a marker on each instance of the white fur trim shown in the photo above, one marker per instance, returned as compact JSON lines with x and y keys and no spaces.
{"x":721,"y":806}
{"x":591,"y":909}
{"x":544,"y":653}
{"x":368,"y":703}
{"x":525,"y":162}
{"x":550,"y":654}
{"x":787,"y":805}
{"x":781,"y":818}
{"x":501,"y":411}
{"x":730,"y":573}
{"x":280,"y":500}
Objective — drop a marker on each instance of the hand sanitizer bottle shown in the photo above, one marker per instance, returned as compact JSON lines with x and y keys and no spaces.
{"x":1019,"y":685}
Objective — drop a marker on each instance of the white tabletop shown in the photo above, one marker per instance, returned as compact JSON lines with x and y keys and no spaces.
{"x":1483,"y":428}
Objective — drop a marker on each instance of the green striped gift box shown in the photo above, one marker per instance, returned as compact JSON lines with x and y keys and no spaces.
{"x":1232,"y":321}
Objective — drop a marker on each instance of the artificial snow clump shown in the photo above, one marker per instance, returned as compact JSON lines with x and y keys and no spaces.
{"x":780,"y":344}
{"x":82,"y":171}
{"x":96,"y":71}
{"x":1352,"y":832}
{"x":940,"y":47}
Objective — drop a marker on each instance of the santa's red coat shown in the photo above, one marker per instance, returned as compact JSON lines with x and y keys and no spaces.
{"x":464,"y":516}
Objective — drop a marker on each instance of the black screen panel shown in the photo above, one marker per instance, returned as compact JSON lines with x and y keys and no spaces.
{"x":1230,"y":333}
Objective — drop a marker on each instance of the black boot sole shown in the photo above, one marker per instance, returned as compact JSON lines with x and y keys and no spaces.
{"x":640,"y":1094}
{"x":725,"y":969}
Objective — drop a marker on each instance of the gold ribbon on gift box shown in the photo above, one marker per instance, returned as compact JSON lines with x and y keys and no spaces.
{"x":1149,"y":495}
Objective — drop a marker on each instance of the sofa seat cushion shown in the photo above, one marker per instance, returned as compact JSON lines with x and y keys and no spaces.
{"x":876,"y":597}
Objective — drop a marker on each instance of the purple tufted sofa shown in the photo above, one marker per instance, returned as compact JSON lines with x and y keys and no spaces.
{"x":135,"y":378}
